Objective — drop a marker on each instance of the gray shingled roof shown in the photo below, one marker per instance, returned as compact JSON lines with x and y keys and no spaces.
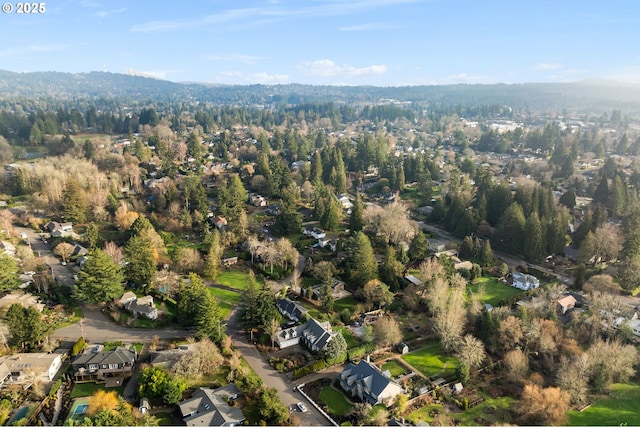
{"x":118,"y":356}
{"x":209,"y":407}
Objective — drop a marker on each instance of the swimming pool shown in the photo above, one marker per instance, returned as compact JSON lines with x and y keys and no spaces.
{"x":80,"y":409}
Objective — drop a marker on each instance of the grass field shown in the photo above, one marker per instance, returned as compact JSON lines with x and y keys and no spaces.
{"x":234,"y":279}
{"x":431,"y":361}
{"x":89,"y":389}
{"x":395,"y":368}
{"x":226,"y":300}
{"x":494,"y":291}
{"x":335,"y":400}
{"x":164,"y":418}
{"x":621,"y":408}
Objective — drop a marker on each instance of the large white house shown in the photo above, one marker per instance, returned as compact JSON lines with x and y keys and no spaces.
{"x":26,"y":368}
{"x":525,"y":282}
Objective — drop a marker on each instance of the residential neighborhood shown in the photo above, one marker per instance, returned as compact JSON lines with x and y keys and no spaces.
{"x":315,"y":265}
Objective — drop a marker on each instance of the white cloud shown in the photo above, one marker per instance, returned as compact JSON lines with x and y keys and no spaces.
{"x":273,"y":12}
{"x":158,"y":74}
{"x":238,"y":77}
{"x":546,"y":66}
{"x":234,"y":57}
{"x":265,"y":78}
{"x":106,"y":13}
{"x":328,"y":68}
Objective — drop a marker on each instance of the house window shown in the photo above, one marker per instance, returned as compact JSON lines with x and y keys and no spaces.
{"x":113,"y":366}
{"x":93,"y":366}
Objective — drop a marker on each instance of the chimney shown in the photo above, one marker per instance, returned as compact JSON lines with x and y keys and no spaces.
{"x":368,"y":358}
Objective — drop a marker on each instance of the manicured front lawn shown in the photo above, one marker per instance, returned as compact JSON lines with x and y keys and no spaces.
{"x":432,"y":361}
{"x":621,"y":408}
{"x":335,"y":400}
{"x":226,"y":300}
{"x":494,"y":291}
{"x":395,"y":368}
{"x":235,"y":279}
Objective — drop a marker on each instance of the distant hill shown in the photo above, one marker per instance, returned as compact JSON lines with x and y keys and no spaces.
{"x":587,"y":96}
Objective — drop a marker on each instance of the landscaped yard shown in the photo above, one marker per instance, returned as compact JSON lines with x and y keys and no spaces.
{"x":395,"y":368}
{"x":494,"y":291}
{"x":226,"y":300}
{"x":335,"y":400}
{"x":491,"y":411}
{"x":352,"y":342}
{"x":425,"y":413}
{"x":234,"y":279}
{"x":621,"y":408}
{"x":89,"y":389}
{"x":164,"y":418}
{"x":348,"y":303}
{"x":432,"y":361}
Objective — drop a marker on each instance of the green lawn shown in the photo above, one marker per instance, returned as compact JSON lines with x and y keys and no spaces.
{"x":335,"y":400}
{"x":494,"y":291}
{"x":424,"y":413}
{"x":395,"y":368}
{"x":432,"y":361}
{"x":348,"y":303}
{"x":235,"y":279}
{"x":164,"y":418}
{"x":494,"y":411}
{"x":89,"y":389}
{"x":621,"y":408}
{"x":352,"y":342}
{"x":226,"y":300}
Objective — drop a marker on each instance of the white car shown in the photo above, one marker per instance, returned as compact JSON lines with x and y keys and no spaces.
{"x":301,"y":406}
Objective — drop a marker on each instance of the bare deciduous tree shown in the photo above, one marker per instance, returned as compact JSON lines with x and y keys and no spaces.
{"x":607,"y":241}
{"x":510,"y":332}
{"x":387,"y":332}
{"x":573,"y":377}
{"x":115,"y":252}
{"x":63,"y":250}
{"x":516,"y":364}
{"x":392,"y":222}
{"x":471,"y":351}
{"x":601,"y":283}
{"x":546,"y":406}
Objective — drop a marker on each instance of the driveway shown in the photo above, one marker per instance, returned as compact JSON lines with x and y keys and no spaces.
{"x":270,"y":376}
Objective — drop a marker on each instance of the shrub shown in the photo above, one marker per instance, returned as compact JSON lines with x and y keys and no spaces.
{"x":78,"y":347}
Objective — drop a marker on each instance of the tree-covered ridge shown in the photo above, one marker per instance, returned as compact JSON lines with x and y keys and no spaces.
{"x":596,"y":95}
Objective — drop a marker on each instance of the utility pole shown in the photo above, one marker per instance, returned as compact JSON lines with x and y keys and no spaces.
{"x":82,"y":329}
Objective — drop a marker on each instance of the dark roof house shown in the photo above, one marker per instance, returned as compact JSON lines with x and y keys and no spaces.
{"x":210,"y":407}
{"x":291,"y":310}
{"x":369,"y":384}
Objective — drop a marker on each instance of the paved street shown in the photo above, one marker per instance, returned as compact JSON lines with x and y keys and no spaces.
{"x":270,"y":376}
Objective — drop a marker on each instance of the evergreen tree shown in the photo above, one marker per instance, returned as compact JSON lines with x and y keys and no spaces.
{"x":141,"y":262}
{"x":100,"y":280}
{"x":362,"y":261}
{"x":601,"y":194}
{"x":9,"y":279}
{"x":391,"y":269}
{"x":211,"y":267}
{"x":92,"y":235}
{"x":568,"y":199}
{"x":355,"y":220}
{"x":332,"y":215}
{"x":74,"y":202}
{"x":534,"y":244}
{"x":509,"y":232}
{"x":486,"y":257}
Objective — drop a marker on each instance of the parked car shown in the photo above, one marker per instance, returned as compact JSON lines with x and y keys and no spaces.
{"x":301,"y":406}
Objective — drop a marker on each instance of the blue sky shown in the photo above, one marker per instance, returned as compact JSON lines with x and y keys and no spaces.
{"x":353,"y":42}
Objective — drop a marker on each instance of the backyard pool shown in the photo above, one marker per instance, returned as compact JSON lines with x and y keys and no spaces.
{"x":80,"y":409}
